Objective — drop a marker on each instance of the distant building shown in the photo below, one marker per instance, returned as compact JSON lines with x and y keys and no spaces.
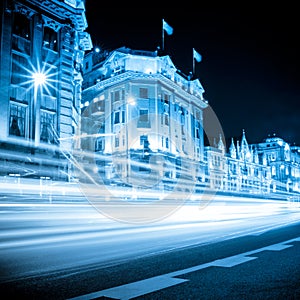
{"x":41,"y":56}
{"x":295,"y":169}
{"x":284,"y":162}
{"x":142,"y":124}
{"x":270,"y":167}
{"x":145,"y":117}
{"x":239,"y":170}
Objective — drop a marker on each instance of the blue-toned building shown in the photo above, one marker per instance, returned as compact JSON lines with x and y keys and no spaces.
{"x":41,"y":55}
{"x":240,"y":170}
{"x":269,"y":167}
{"x":146,"y":118}
{"x":284,"y":161}
{"x":129,"y":117}
{"x":142,"y":124}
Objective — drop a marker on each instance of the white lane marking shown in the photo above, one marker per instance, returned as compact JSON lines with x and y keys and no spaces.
{"x":136,"y":289}
{"x":232,"y":261}
{"x":153,"y":284}
{"x":277,"y":247}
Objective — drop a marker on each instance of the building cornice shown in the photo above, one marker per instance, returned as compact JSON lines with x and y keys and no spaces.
{"x":196,"y":98}
{"x":63,"y":10}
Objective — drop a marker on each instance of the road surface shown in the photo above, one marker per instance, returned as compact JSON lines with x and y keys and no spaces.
{"x":58,"y":250}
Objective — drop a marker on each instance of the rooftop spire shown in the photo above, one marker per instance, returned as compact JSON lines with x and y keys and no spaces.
{"x":221,"y":144}
{"x":232,"y":149}
{"x":245,"y":151}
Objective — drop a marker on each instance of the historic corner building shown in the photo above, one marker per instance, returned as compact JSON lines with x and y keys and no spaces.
{"x":146,"y":117}
{"x":41,"y":55}
{"x":142,"y":121}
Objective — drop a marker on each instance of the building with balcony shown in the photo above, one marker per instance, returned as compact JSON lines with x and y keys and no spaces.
{"x":41,"y":55}
{"x":143,"y":119}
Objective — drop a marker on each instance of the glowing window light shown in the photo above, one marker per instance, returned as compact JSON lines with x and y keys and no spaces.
{"x":131,"y":101}
{"x":39,"y":78}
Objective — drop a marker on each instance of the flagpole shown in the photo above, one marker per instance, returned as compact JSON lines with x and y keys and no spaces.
{"x":169,"y":29}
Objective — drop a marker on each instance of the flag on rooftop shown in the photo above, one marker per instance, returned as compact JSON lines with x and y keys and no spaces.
{"x":197,"y":56}
{"x":167,"y":28}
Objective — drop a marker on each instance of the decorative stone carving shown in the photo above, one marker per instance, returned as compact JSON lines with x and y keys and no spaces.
{"x":51,"y":24}
{"x":24,"y":10}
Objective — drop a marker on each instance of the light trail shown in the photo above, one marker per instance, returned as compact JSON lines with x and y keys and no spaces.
{"x":34,"y":239}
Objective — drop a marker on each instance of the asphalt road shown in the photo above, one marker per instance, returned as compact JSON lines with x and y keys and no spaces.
{"x":251,"y":267}
{"x":229,"y":250}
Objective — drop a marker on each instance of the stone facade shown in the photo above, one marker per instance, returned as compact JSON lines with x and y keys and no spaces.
{"x":42,"y":49}
{"x":145,"y":117}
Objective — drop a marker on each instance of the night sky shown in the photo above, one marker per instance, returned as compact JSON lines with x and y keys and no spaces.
{"x":250,"y":57}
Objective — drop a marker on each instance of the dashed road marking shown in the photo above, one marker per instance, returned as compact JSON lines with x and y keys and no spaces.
{"x":154,"y":284}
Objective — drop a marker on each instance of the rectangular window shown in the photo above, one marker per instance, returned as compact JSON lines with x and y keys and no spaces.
{"x":123,"y":116}
{"x":144,"y":93}
{"x":182,"y":118}
{"x":143,"y":121}
{"x":99,"y":144}
{"x":117,"y":117}
{"x":17,"y":120}
{"x":47,"y":127}
{"x":116,"y":96}
{"x":144,"y":117}
{"x":143,"y":139}
{"x":166,"y":98}
{"x":21,"y":26}
{"x":50,"y":39}
{"x":117,"y":142}
{"x":166,"y":120}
